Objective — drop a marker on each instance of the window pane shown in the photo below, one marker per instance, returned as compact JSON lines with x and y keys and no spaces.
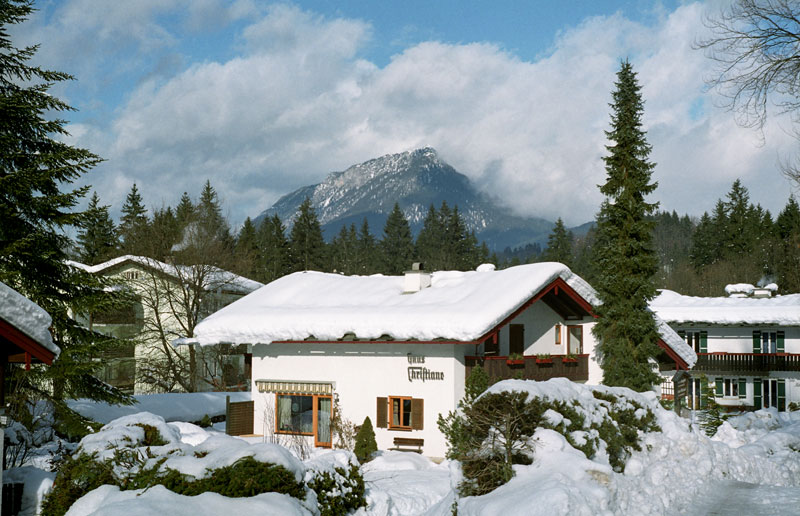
{"x":396,"y":412}
{"x":296,"y":414}
{"x":324,"y":420}
{"x":406,"y":412}
{"x":575,"y":340}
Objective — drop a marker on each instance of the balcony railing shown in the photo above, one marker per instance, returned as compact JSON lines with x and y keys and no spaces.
{"x":499,"y":368}
{"x":747,"y":362}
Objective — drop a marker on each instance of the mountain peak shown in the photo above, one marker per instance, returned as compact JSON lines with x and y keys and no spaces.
{"x":415,"y":180}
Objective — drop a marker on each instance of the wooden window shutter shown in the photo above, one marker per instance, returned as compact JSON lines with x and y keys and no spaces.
{"x":757,"y":393}
{"x":756,"y":341}
{"x":742,"y":388}
{"x":417,"y":413}
{"x":704,"y":342}
{"x":781,"y":395}
{"x":781,"y":338}
{"x":382,"y":414}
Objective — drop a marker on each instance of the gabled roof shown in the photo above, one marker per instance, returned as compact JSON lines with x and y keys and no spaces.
{"x":25,"y":325}
{"x":216,"y":278}
{"x":676,"y":309}
{"x":458,"y":307}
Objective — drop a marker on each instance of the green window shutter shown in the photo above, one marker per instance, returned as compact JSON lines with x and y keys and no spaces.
{"x":756,"y":341}
{"x":781,"y":337}
{"x":719,"y":387}
{"x":703,"y":342}
{"x":742,"y":388}
{"x":757,"y":393}
{"x":781,"y":395}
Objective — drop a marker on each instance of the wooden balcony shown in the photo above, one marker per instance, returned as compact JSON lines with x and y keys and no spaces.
{"x":747,"y":362}
{"x":498,"y":369}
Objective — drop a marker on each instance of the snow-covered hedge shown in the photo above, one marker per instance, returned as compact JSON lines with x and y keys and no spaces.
{"x":138,"y":452}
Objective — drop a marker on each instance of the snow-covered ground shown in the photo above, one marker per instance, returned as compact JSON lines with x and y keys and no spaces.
{"x":752,"y":465}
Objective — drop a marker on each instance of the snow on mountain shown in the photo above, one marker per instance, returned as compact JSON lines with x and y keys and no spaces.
{"x":415,"y":180}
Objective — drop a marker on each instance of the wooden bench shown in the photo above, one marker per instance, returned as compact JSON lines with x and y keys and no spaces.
{"x":406,"y":444}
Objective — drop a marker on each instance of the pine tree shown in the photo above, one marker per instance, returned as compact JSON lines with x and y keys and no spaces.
{"x":788,"y":231}
{"x":273,"y":250}
{"x":397,"y":245}
{"x":210,"y":222}
{"x":246,"y":250}
{"x":97,"y":237}
{"x":161,"y":235}
{"x":429,"y":239}
{"x":624,"y":253}
{"x":367,"y":262}
{"x":559,"y":245}
{"x":307,"y":248}
{"x":133,"y":225}
{"x":184,"y":212}
{"x":36,"y":205}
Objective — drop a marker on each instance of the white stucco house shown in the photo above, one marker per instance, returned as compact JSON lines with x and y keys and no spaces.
{"x":169,"y":301}
{"x":399,"y":348}
{"x":747,"y":344}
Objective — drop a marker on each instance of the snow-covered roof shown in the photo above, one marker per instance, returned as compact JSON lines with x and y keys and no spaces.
{"x":26,"y":316}
{"x":215,"y":277}
{"x":459,"y":306}
{"x":675,"y":308}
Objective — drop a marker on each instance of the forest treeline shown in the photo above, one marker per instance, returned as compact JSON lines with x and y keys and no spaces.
{"x":737,"y":242}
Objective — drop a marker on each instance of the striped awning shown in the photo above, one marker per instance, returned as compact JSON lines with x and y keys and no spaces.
{"x":294,"y":387}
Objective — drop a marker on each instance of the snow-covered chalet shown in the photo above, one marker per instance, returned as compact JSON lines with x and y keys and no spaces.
{"x":399,"y":348}
{"x":747,"y":344}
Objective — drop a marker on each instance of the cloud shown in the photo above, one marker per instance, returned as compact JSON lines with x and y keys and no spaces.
{"x":298,"y":100}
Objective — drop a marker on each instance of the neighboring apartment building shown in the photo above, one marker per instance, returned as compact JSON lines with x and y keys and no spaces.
{"x":747,"y":345}
{"x":169,"y":301}
{"x":398,"y":349}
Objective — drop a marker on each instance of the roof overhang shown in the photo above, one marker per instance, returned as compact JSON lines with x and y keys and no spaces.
{"x":19,"y":347}
{"x":680,"y":364}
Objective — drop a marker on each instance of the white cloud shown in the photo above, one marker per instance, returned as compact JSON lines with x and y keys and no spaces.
{"x":299,"y":101}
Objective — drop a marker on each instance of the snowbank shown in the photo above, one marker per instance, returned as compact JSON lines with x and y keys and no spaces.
{"x":172,"y":406}
{"x":110,"y":501}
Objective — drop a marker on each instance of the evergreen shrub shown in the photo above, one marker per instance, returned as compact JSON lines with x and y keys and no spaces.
{"x":340,"y":492}
{"x":365,"y":442}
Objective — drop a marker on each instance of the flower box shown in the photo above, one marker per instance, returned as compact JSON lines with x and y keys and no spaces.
{"x":544,"y":360}
{"x":517,"y":362}
{"x":569,"y":360}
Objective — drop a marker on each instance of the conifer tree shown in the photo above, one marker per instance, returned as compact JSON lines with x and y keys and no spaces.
{"x":397,"y":245}
{"x":246,"y":250}
{"x":97,"y":237}
{"x":273,"y":250}
{"x":559,"y":245}
{"x":624,"y":253}
{"x":133,"y":225}
{"x":367,"y":255}
{"x":161,"y":235}
{"x":210,"y":222}
{"x":430,"y":237}
{"x":184,"y":212}
{"x":788,"y":230}
{"x":307,"y":248}
{"x":36,"y":204}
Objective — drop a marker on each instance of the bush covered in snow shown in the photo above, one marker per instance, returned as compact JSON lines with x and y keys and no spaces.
{"x":141,"y":451}
{"x":497,"y":430}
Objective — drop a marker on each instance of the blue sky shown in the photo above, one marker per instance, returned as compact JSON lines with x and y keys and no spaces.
{"x":261,"y":98}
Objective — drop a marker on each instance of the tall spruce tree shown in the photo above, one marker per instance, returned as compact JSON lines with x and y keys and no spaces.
{"x":368,"y":262}
{"x":624,"y":253}
{"x":559,"y":245}
{"x":307,"y":248}
{"x":97,"y":236}
{"x":273,"y":250}
{"x":397,"y":245}
{"x":133,"y":224}
{"x":36,"y":204}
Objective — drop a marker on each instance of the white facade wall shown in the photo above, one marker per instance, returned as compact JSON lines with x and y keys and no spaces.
{"x":361,"y":373}
{"x":739,"y":339}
